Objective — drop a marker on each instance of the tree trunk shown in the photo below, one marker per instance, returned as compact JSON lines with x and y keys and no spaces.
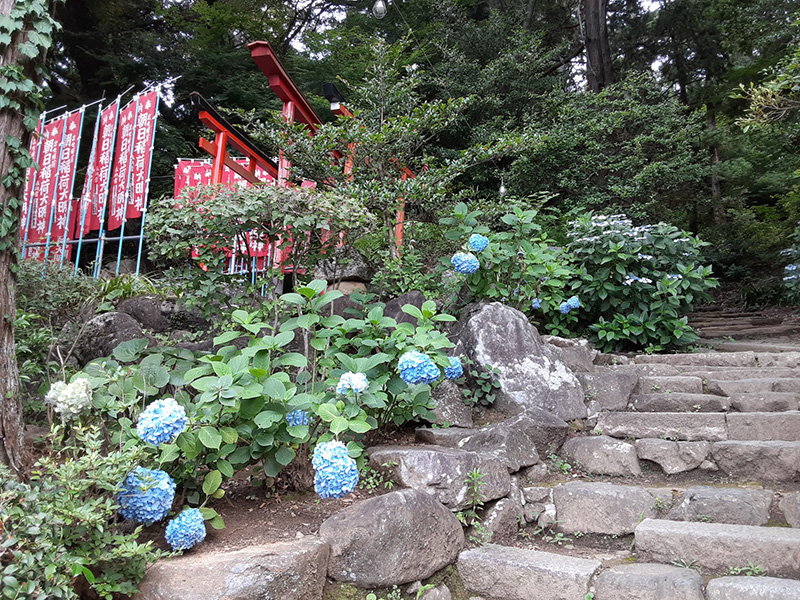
{"x":718,"y":210}
{"x":598,"y":52}
{"x":11,"y":189}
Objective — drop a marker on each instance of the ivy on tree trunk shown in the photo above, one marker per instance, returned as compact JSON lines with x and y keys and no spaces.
{"x":25,"y":36}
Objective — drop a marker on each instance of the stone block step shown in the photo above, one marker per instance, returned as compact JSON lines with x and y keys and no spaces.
{"x":754,"y":346}
{"x":732,"y":505}
{"x":759,"y":461}
{"x":752,"y":588}
{"x":674,"y":457}
{"x":748,"y":332}
{"x":764,"y":426}
{"x":669,"y":385}
{"x":752,"y":386}
{"x":715,"y":359}
{"x":664,"y":425}
{"x":516,"y":574}
{"x":680,"y":402}
{"x":739,"y":373}
{"x":718,"y":547}
{"x":648,"y":581}
{"x":765,"y":402}
{"x":602,"y":508}
{"x":645,"y":369}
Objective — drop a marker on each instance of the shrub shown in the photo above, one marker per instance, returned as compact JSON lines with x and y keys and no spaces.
{"x":61,"y":525}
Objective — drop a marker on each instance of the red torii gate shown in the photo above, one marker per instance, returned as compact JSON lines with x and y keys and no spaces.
{"x":296,"y":108}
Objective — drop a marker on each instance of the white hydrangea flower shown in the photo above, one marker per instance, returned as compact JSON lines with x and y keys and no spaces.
{"x":70,"y":399}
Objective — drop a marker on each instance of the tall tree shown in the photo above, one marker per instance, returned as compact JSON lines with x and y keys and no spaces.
{"x":25,"y":29}
{"x":598,"y":53}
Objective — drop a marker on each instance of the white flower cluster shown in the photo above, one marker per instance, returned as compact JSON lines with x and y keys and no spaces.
{"x":70,"y":399}
{"x":629,"y":279}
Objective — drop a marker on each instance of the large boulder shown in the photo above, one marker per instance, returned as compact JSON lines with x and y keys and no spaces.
{"x":346,"y":264}
{"x":394,"y":307}
{"x":512,"y":442}
{"x":281,"y":571}
{"x":443,"y":473}
{"x":531,"y":372}
{"x":393,"y":539}
{"x":147,"y":312}
{"x":603,"y":455}
{"x":601,"y":507}
{"x":105,"y":332}
{"x":450,"y":408}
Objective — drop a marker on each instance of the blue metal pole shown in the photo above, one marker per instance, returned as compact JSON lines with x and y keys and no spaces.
{"x":147,"y":187}
{"x":101,"y":234}
{"x":127,"y":187}
{"x":71,"y":187}
{"x":89,"y":177}
{"x":53,"y":199}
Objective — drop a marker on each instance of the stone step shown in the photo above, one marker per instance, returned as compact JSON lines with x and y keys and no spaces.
{"x":739,"y":373}
{"x":759,"y":461}
{"x":724,"y":359}
{"x":753,"y":386}
{"x":754,"y":346}
{"x":517,"y":574}
{"x":664,"y":425}
{"x":765,"y":402}
{"x":719,"y":547}
{"x":749,"y":332}
{"x":679,"y":402}
{"x":764,"y":426}
{"x":669,"y":385}
{"x":752,"y":588}
{"x":648,"y":581}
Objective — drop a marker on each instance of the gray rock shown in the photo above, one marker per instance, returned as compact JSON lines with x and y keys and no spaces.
{"x":676,"y":384}
{"x":752,"y":588}
{"x":282,"y":571}
{"x":537,"y":494}
{"x":645,"y":370}
{"x":440,"y":592}
{"x":347,"y":264}
{"x":447,"y":436}
{"x":778,"y":359}
{"x":677,"y":426}
{"x":680,"y":402}
{"x":708,"y":359}
{"x":766,"y":426}
{"x":442,"y":472}
{"x":740,"y":386}
{"x":511,"y":442}
{"x":764,"y":402}
{"x":601,"y":507}
{"x":394,"y":308}
{"x":147,"y":312}
{"x":790,"y":507}
{"x":610,"y":390}
{"x":603,"y":455}
{"x":717,"y":546}
{"x":393,"y":539}
{"x":762,"y":461}
{"x":577,"y":353}
{"x":516,"y":574}
{"x":535,"y":473}
{"x":673,"y":457}
{"x":105,"y":332}
{"x":500,"y":523}
{"x":724,"y":505}
{"x":648,"y":581}
{"x":450,"y":407}
{"x":786,"y":385}
{"x":531,"y":374}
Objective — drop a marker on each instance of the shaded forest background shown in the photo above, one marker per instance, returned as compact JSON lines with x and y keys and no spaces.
{"x":638,"y":104}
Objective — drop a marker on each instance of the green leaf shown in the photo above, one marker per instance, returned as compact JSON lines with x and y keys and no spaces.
{"x":338,"y":425}
{"x":209,"y":437}
{"x":225,"y":467}
{"x":412,"y":310}
{"x":359,"y":426}
{"x":291,"y":359}
{"x":327,"y":412}
{"x":267,"y":418}
{"x":212,"y":482}
{"x":274,"y":388}
{"x":226,"y":337}
{"x":284,"y":455}
{"x":129,"y":351}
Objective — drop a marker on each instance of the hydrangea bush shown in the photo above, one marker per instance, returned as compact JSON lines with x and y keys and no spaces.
{"x":336,"y":473}
{"x":186,"y":530}
{"x":70,"y":399}
{"x":791,"y":271}
{"x":625,"y":286}
{"x":146,"y":495}
{"x":162,"y":421}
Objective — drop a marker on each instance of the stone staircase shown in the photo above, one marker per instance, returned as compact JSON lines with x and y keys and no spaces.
{"x":680,"y":482}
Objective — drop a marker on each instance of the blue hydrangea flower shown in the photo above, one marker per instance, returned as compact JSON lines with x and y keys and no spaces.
{"x":564,"y":308}
{"x":352,"y":381}
{"x":536,"y":303}
{"x":416,"y":367}
{"x":574,"y":302}
{"x":477,"y":242}
{"x":186,"y":530}
{"x":146,"y":495}
{"x":161,"y":421}
{"x":297,"y":417}
{"x":465,"y":263}
{"x":336,"y":473}
{"x":455,"y":370}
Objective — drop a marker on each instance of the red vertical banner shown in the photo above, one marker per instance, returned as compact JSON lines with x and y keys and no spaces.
{"x":63,"y":216}
{"x":120,"y":177}
{"x":95,"y":187}
{"x":45,"y":187}
{"x":30,"y":174}
{"x":142,"y":155}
